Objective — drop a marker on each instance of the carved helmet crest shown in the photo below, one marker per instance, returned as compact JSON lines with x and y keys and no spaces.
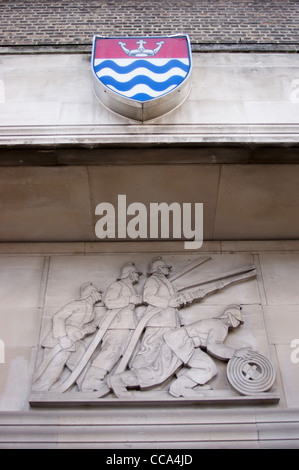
{"x":157,"y":263}
{"x":87,"y":289}
{"x":234,"y":311}
{"x":127,"y":269}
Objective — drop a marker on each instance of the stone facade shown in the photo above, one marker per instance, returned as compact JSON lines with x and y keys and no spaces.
{"x":37,"y":272}
{"x":232,"y":145}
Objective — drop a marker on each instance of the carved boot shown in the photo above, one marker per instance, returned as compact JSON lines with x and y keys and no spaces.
{"x":183,"y":387}
{"x":119,"y":383}
{"x":94,"y":381}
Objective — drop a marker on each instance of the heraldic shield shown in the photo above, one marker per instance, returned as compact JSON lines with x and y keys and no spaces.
{"x":142,"y":77}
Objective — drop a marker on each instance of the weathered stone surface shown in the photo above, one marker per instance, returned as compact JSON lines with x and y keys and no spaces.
{"x":245,"y":103}
{"x":278,"y":321}
{"x":103,"y":271}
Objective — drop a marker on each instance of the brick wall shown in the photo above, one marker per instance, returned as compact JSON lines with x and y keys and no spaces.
{"x":61,"y":22}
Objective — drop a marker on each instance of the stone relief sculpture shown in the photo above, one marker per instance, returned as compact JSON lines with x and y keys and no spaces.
{"x":125,"y":352}
{"x":162,"y":301}
{"x":183,"y":347}
{"x":121,"y":300}
{"x":64,"y":346}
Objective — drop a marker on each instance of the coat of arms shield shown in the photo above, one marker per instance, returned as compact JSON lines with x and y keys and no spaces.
{"x":142,"y":77}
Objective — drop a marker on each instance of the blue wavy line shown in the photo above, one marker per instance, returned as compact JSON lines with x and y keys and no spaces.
{"x":141,"y":97}
{"x":142,"y":63}
{"x":141,"y":80}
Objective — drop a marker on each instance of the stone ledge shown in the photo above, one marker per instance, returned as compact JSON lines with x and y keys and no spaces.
{"x":213,"y":398}
{"x":149,"y":134}
{"x":111,"y":415}
{"x":118,"y":429}
{"x":90,"y":248}
{"x":44,"y":248}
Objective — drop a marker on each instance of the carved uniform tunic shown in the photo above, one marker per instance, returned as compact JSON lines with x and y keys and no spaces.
{"x":183,"y":346}
{"x":117,"y":299}
{"x":68,"y":322}
{"x":158,"y":292}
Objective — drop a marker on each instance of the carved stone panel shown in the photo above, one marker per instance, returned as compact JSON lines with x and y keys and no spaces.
{"x":148,"y":328}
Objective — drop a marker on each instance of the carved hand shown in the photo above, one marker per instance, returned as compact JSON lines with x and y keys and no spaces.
{"x":177,"y":302}
{"x":245,"y":353}
{"x":88,"y":329}
{"x":136,"y":299}
{"x":65,"y":342}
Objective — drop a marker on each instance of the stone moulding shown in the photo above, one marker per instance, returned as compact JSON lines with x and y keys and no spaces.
{"x":149,"y":134}
{"x":38,"y":399}
{"x":174,"y":428}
